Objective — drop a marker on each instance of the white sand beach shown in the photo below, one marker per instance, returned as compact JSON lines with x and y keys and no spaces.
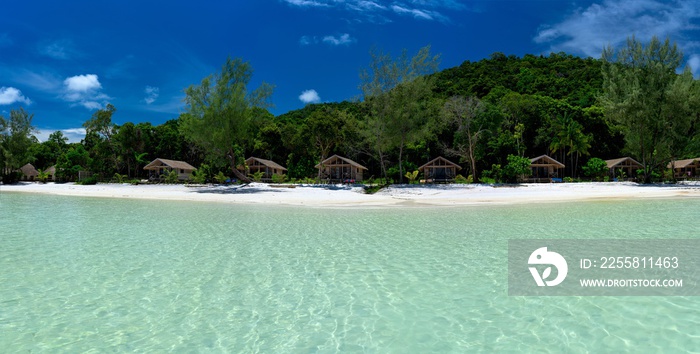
{"x":352,"y":196}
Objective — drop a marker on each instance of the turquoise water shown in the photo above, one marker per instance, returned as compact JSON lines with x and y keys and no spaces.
{"x":97,"y":274}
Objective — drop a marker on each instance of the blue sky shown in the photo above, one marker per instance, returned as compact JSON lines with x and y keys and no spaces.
{"x":63,"y":60}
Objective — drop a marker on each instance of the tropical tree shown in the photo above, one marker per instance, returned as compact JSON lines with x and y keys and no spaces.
{"x":518,"y":167}
{"x":464,"y":113}
{"x":397,"y":94}
{"x":219,"y":112}
{"x":323,"y":128}
{"x":595,"y":168}
{"x":645,"y":97}
{"x":566,"y":133}
{"x":73,"y":161}
{"x":16,"y":136}
{"x":99,"y":133}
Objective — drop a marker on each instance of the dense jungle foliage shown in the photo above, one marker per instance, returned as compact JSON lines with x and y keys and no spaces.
{"x":476,"y":114}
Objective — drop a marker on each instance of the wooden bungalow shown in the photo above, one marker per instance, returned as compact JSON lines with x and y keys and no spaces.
{"x":160,"y":166}
{"x":627,"y":165}
{"x":29,"y":173}
{"x":341,"y":169}
{"x":439,"y":170}
{"x":50,"y":173}
{"x":545,"y":169}
{"x":688,"y":168}
{"x":267,"y":167}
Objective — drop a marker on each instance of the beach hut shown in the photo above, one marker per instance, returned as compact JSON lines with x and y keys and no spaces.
{"x":687,"y":168}
{"x":627,"y":165}
{"x":545,"y":169}
{"x":160,"y":166}
{"x":29,"y":173}
{"x":267,"y":167}
{"x":439,"y":169}
{"x":342,"y":169}
{"x":50,"y":173}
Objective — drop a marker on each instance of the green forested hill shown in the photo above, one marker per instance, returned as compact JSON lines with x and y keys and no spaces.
{"x":535,"y":92}
{"x":524,"y":107}
{"x":560,"y":76}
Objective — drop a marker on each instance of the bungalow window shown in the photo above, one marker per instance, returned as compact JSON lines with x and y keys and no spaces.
{"x":182,"y":170}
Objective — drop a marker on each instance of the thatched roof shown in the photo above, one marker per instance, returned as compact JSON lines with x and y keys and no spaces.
{"x":615,"y":162}
{"x":158,"y":163}
{"x":347,"y":161}
{"x":683,"y":163}
{"x":440,"y":162}
{"x":29,"y":170}
{"x":545,"y":160}
{"x":268,"y":163}
{"x":51,"y":170}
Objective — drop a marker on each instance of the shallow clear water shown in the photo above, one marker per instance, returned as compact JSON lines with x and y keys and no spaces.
{"x":97,"y":274}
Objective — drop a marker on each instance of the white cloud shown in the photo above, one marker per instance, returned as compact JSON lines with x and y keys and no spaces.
{"x":421,"y":14}
{"x":449,"y":4}
{"x":377,"y":11}
{"x":344,"y":39}
{"x":694,"y":64}
{"x":310,"y":96}
{"x":366,"y":6}
{"x":306,"y":3}
{"x":84,"y":90}
{"x":307,"y":40}
{"x":45,"y":81}
{"x":152,"y":94}
{"x":82,"y":83}
{"x":587,"y":31}
{"x":74,"y":135}
{"x":10,"y":95}
{"x":61,"y":49}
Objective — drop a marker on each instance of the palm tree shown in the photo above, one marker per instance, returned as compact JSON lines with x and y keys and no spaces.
{"x":579,"y":144}
{"x":140,"y":159}
{"x":568,"y":133}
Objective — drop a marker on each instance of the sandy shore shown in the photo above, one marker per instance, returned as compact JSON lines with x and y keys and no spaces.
{"x":342,"y":196}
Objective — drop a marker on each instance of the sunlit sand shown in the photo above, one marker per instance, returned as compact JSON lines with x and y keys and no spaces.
{"x":354,"y":196}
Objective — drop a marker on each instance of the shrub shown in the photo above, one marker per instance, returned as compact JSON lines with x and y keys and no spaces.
{"x":463,"y":180}
{"x":220,"y":178}
{"x":595,"y":168}
{"x":119,"y":178}
{"x":516,"y":168}
{"x":92,"y":180}
{"x":257,"y":176}
{"x":568,"y":179}
{"x":492,"y":175}
{"x":412,"y":176}
{"x":43,"y":176}
{"x":171,"y":177}
{"x":279,"y":178}
{"x":487,"y":180}
{"x":393,"y":171}
{"x":199,"y":176}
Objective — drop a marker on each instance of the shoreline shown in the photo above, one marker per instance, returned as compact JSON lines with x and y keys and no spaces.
{"x":353,"y":196}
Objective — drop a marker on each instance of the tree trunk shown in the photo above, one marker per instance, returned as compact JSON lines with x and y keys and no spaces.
{"x":236,"y":172}
{"x":475,"y":179}
{"x":400,"y":165}
{"x":381,"y":163}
